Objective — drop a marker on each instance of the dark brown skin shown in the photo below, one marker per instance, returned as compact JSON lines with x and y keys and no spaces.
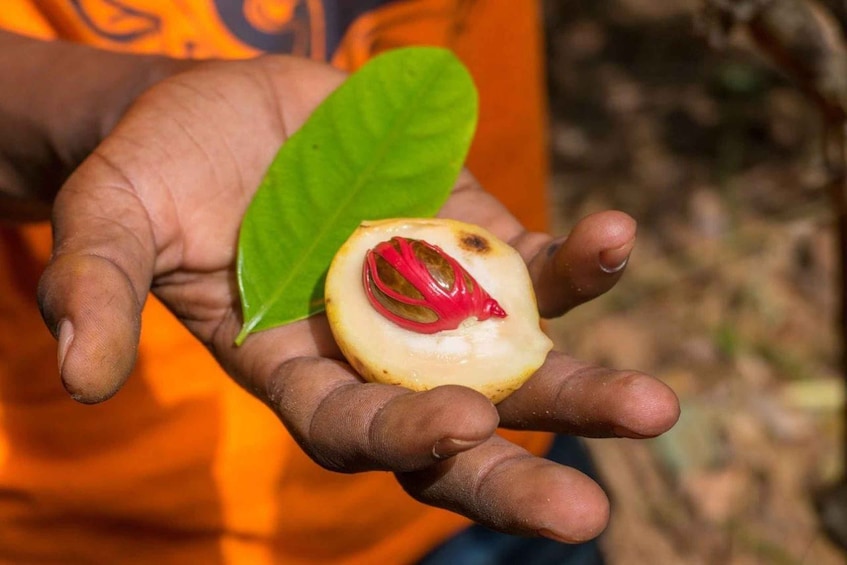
{"x":134,"y":218}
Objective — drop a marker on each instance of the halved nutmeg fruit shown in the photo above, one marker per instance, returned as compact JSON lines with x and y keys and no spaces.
{"x":428,"y":302}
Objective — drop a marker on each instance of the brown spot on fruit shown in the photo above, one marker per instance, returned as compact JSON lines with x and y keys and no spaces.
{"x":474,"y":242}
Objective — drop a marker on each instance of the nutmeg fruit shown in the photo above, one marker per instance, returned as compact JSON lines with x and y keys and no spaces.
{"x":427,"y":302}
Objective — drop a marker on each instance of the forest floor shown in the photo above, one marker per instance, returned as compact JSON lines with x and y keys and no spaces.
{"x":730,"y":294}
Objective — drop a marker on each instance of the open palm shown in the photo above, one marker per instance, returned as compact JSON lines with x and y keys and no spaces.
{"x":157,"y":207}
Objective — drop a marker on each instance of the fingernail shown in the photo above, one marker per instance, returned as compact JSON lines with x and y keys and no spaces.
{"x":621,"y":431}
{"x":66,"y":336}
{"x":614,"y":260}
{"x":448,"y":447}
{"x":555,"y":536}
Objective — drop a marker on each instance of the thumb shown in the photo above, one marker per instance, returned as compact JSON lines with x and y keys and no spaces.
{"x":94,"y":287}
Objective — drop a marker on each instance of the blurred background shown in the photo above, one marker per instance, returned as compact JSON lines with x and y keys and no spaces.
{"x":731,"y":295}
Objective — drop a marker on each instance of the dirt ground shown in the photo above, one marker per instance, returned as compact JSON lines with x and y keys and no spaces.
{"x":730,"y":294}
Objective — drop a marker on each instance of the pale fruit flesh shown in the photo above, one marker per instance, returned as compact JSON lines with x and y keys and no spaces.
{"x":494,"y":357}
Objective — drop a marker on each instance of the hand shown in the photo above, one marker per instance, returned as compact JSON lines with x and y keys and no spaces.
{"x":157,"y":208}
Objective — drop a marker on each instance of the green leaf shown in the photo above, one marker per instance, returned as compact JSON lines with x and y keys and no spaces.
{"x":389,"y":142}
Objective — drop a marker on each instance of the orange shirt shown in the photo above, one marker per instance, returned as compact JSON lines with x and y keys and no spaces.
{"x":183,"y":466}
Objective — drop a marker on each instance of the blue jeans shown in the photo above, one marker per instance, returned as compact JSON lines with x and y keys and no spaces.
{"x":480,"y":546}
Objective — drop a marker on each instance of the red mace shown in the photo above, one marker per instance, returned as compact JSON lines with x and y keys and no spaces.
{"x":421,"y":288}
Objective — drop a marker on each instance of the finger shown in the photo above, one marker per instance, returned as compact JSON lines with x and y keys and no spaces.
{"x":93,"y":289}
{"x":587,"y":263}
{"x":568,"y":396}
{"x":340,"y":422}
{"x":503,"y":487}
{"x":348,"y":426}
